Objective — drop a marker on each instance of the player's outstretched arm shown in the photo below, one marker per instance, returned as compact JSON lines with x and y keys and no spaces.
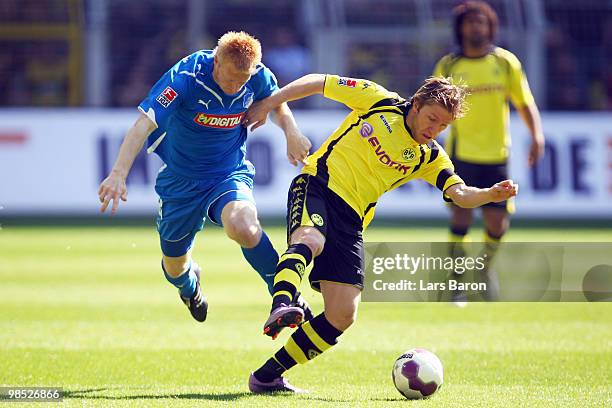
{"x":307,"y":85}
{"x":531,"y":117}
{"x":114,"y":187}
{"x":472,"y":197}
{"x":298,"y":145}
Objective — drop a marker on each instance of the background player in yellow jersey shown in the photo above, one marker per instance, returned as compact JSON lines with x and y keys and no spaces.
{"x":479,"y":143}
{"x":383,"y":143}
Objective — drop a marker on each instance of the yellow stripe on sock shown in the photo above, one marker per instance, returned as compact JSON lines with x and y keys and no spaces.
{"x":279,"y":363}
{"x":490,"y":240}
{"x":315,"y":338}
{"x":299,"y":257}
{"x":283,"y":292}
{"x":295,"y":351}
{"x":458,"y":238}
{"x":288,"y":275}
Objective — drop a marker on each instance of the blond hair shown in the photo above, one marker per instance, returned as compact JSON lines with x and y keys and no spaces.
{"x":241,"y":48}
{"x":443,"y":92}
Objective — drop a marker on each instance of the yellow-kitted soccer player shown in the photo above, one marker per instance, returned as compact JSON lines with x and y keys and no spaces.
{"x":383,"y":143}
{"x":479,"y":143}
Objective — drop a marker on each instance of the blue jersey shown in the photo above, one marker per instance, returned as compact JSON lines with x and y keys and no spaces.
{"x":199,"y":133}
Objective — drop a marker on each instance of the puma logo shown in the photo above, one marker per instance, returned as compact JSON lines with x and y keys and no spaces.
{"x":204,"y":103}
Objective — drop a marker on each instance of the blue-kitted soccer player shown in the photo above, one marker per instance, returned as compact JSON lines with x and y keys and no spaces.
{"x":192,"y":118}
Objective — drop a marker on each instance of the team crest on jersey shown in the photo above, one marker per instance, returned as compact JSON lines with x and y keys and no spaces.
{"x":166,"y":97}
{"x":409,"y":154}
{"x":218,"y":121}
{"x":351,"y":83}
{"x":247,"y":101}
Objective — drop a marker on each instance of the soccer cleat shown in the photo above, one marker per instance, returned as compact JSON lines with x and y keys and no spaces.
{"x":459,"y":298}
{"x":277,"y":385}
{"x":303,"y":304}
{"x":197,"y":303}
{"x":281,"y":317}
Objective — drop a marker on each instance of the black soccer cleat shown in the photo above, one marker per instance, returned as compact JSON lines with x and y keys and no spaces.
{"x":300,"y":302}
{"x":197,"y":303}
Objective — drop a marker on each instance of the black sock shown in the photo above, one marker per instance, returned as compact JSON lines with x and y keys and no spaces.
{"x":269,"y":371}
{"x":309,"y":341}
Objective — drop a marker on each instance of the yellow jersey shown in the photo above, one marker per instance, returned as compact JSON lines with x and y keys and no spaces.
{"x":372,"y":151}
{"x":482,"y":135}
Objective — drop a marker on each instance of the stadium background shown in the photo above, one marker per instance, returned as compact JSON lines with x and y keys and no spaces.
{"x":99,"y":59}
{"x":82,"y":302}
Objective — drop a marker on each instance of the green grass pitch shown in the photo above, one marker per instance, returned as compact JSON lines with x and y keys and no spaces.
{"x":87,"y":309}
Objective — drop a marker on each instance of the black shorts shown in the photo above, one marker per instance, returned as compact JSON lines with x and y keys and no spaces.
{"x":312,"y":203}
{"x":484,"y":176}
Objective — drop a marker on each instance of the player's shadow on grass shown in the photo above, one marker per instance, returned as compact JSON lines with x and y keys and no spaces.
{"x":87,"y":394}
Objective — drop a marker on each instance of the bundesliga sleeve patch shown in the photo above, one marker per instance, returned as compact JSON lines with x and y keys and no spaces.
{"x":166,"y":97}
{"x":351,"y":83}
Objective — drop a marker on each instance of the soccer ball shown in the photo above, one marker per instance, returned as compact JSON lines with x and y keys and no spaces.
{"x":417,"y":373}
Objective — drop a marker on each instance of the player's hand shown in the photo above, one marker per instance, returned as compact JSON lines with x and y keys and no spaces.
{"x":503,"y":191}
{"x":256,"y":115}
{"x":112,"y":188}
{"x":536,"y":151}
{"x":298,"y":147}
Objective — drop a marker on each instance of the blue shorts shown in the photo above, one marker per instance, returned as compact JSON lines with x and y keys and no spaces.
{"x":185,"y":204}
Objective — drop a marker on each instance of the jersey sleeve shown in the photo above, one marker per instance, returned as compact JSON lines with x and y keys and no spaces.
{"x":439,"y":171}
{"x":357,"y":94}
{"x":264,"y":83}
{"x":169,"y":92}
{"x":519,"y":91}
{"x":437,"y":72}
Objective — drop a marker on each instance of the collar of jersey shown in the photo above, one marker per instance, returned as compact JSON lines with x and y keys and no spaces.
{"x":489,"y":51}
{"x":210,"y":81}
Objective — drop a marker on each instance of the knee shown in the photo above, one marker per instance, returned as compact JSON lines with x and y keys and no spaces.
{"x":341,"y":318}
{"x":175,"y":266}
{"x":496,"y":233}
{"x":315,"y":245}
{"x":310,"y":237}
{"x":461,"y":217}
{"x":244,"y":231}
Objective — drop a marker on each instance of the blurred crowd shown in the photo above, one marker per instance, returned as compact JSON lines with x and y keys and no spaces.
{"x":146,"y":38}
{"x":33,"y":64}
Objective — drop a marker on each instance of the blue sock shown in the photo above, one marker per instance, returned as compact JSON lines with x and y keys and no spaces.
{"x":186,"y":282}
{"x":263,"y":258}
